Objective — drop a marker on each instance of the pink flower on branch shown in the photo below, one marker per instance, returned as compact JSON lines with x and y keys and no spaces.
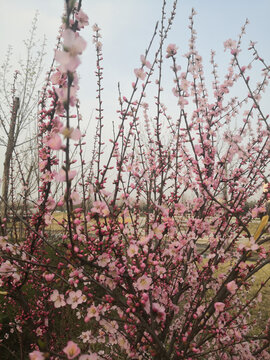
{"x":75,"y":298}
{"x":62,"y":94}
{"x":36,"y":355}
{"x":144,"y":283}
{"x":219,"y":307}
{"x":171,"y":50}
{"x":75,"y":197}
{"x":140,"y":74}
{"x":158,"y":230}
{"x":72,"y":350}
{"x":145,"y":62}
{"x":50,"y":203}
{"x":92,"y":312}
{"x":74,"y":134}
{"x":48,"y":277}
{"x":96,"y":28}
{"x":182,"y":101}
{"x":89,"y":357}
{"x":100,"y":208}
{"x":58,"y":299}
{"x":132,"y":250}
{"x":67,"y":61}
{"x":82,"y":19}
{"x":8,"y":270}
{"x":229,"y":44}
{"x":61,"y":176}
{"x":74,"y":44}
{"x":160,"y":311}
{"x":103,"y":260}
{"x":54,"y":142}
{"x":56,"y":78}
{"x":232,"y":287}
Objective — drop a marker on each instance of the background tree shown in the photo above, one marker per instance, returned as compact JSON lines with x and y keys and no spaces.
{"x":18,"y":113}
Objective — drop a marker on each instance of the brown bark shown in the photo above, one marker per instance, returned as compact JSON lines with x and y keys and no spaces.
{"x":8,"y":157}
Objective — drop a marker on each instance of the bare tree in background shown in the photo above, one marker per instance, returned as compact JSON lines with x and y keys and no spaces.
{"x":18,"y":107}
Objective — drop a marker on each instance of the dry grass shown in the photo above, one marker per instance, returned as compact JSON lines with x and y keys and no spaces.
{"x":262,"y":312}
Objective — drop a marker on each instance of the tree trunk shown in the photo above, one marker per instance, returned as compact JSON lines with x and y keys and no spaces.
{"x":8,"y":157}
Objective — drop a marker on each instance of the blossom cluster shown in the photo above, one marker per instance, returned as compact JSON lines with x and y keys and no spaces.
{"x":154,"y":255}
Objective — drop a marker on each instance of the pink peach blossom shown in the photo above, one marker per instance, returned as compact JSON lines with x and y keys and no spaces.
{"x":92,"y":312}
{"x":75,"y":298}
{"x":145,"y":62}
{"x":232,"y":287}
{"x":158,"y":230}
{"x":143,"y":283}
{"x":171,"y":50}
{"x":48,"y":219}
{"x":160,"y":311}
{"x":9,"y":270}
{"x":92,"y":356}
{"x":49,"y":277}
{"x":229,"y":44}
{"x":58,"y":299}
{"x":56,"y":77}
{"x":182,"y":101}
{"x":219,"y":307}
{"x":96,"y":28}
{"x":67,"y":61}
{"x":82,"y":19}
{"x":36,"y":355}
{"x":50,"y":204}
{"x":42,"y":165}
{"x":75,"y":197}
{"x":72,"y":350}
{"x":132,"y":250}
{"x":61,"y":176}
{"x":103,"y":260}
{"x":63,"y":94}
{"x":140,"y":74}
{"x":54,"y":142}
{"x":100,"y":208}
{"x":73,"y":42}
{"x":75,"y":134}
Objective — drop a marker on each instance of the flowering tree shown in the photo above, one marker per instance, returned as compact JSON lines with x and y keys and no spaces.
{"x":171,"y":279}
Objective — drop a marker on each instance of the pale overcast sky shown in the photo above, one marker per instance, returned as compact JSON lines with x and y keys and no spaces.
{"x":127,"y":26}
